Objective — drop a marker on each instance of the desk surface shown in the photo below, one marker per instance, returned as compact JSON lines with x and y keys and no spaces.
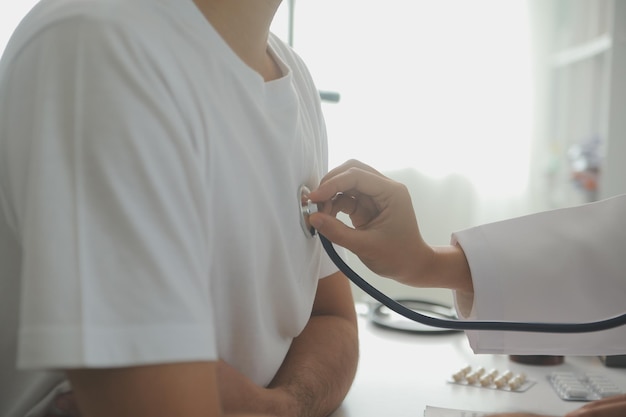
{"x":401,"y":373}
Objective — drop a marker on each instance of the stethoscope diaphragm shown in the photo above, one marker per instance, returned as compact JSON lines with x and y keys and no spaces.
{"x":307,"y":207}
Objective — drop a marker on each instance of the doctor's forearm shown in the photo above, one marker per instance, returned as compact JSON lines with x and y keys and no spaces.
{"x":452,"y":269}
{"x":439,"y":267}
{"x":444,"y":267}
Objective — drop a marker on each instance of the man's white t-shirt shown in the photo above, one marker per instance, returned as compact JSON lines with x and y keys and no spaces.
{"x":149,"y":196}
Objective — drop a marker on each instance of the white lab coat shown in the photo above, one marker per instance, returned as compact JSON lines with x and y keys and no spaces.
{"x":566,"y":265}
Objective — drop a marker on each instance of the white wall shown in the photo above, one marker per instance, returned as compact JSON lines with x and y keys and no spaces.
{"x":11,"y":12}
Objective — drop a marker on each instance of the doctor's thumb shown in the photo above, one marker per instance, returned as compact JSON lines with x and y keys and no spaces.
{"x":333,"y":229}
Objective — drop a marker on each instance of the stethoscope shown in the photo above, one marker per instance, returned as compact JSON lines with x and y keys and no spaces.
{"x":307,"y":207}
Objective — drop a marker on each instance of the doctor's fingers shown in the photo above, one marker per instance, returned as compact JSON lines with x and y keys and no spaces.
{"x":350,"y":164}
{"x":336,"y":231}
{"x":361,"y":209}
{"x":356,"y":182}
{"x":607,"y":407}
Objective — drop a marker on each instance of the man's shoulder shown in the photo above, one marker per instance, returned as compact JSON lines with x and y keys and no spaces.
{"x":131,"y":16}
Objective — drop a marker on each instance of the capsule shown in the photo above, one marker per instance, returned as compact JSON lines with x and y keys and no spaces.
{"x":517,"y":381}
{"x":475,"y":376}
{"x":488,"y":378}
{"x":460,"y":375}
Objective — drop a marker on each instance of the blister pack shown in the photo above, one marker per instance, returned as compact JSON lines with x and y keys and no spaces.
{"x":492,"y":379}
{"x":571,"y":386}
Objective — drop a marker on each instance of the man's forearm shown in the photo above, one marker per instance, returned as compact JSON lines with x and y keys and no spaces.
{"x":320,"y":367}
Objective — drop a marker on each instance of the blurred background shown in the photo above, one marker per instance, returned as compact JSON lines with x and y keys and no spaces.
{"x":486,"y":109}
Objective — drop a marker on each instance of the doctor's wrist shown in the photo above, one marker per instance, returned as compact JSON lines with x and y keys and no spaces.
{"x":451,"y":269}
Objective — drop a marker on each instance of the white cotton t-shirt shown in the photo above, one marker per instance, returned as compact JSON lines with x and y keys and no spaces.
{"x":559,"y":266}
{"x":149,"y":196}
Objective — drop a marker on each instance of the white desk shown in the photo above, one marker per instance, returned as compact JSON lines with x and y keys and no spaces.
{"x":401,"y":373}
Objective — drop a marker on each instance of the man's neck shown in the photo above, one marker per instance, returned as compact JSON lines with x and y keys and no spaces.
{"x":244,"y":25}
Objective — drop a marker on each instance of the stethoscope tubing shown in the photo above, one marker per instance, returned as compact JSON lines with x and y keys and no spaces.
{"x":534,"y":327}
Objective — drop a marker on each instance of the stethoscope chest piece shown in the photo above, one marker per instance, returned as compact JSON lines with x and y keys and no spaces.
{"x":307,"y":207}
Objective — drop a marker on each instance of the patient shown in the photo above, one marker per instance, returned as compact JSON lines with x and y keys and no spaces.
{"x":135,"y":137}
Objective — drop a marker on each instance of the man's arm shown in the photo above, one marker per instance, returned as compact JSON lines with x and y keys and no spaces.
{"x":183,"y":389}
{"x":318,"y":369}
{"x":321,"y":363}
{"x":313,"y":380}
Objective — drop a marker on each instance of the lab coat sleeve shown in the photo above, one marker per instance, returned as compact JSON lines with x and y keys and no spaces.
{"x":566,"y":265}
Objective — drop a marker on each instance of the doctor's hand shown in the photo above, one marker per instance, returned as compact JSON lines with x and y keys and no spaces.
{"x":606,"y":407}
{"x":385,"y":236}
